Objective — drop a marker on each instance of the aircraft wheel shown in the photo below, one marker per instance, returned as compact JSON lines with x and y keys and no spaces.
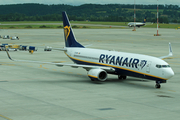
{"x":124,"y":77}
{"x":119,"y":77}
{"x":157,"y":85}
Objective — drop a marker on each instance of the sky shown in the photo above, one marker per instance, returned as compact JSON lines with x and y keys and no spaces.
{"x":79,"y":2}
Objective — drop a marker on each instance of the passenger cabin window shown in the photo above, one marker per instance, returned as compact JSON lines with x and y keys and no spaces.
{"x":162,"y":66}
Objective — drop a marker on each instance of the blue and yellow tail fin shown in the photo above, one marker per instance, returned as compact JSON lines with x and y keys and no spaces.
{"x":144,"y":21}
{"x":70,"y":40}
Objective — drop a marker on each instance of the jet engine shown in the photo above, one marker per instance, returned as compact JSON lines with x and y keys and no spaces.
{"x":97,"y":74}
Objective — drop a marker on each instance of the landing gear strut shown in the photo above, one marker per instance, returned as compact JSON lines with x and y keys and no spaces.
{"x":158,"y":84}
{"x":122,"y":77}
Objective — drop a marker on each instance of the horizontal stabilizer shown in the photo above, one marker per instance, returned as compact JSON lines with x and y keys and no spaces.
{"x":60,"y":49}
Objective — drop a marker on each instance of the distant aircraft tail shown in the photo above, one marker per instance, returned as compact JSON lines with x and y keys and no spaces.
{"x":70,"y":40}
{"x":144,"y":21}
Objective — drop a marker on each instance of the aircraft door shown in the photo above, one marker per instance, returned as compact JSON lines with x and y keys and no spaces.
{"x":148,"y":67}
{"x":162,"y":72}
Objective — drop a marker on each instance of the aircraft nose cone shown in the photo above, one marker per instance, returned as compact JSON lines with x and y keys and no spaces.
{"x":170,"y":73}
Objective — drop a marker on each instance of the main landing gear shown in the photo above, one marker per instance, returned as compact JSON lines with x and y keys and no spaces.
{"x":122,"y":77}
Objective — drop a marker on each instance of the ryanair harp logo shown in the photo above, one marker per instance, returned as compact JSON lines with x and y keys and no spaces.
{"x":67,"y":31}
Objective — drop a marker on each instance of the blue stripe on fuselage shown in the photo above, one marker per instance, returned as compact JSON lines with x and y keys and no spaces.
{"x":119,"y":70}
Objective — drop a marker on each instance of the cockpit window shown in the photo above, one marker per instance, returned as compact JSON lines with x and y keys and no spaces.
{"x":162,"y":66}
{"x":158,"y":66}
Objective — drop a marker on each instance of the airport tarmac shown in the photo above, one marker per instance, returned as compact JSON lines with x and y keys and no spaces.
{"x":31,"y":91}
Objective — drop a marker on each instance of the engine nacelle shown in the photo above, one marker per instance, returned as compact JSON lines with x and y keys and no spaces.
{"x":97,"y":74}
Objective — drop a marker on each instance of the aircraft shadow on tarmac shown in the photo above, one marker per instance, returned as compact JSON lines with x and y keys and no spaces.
{"x":67,"y":77}
{"x":82,"y":78}
{"x":129,"y":82}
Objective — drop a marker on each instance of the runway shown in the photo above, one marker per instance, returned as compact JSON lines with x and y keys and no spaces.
{"x":31,"y":91}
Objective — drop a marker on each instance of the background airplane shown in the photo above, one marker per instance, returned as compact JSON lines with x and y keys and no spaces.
{"x":100,"y":63}
{"x":138,"y":24}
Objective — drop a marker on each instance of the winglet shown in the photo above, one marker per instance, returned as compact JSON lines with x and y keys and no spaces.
{"x":170,"y":53}
{"x":8,"y":55}
{"x":144,"y":21}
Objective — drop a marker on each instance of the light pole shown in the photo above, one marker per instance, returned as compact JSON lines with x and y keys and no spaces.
{"x":157,"y":21}
{"x":157,"y":18}
{"x":134,"y":16}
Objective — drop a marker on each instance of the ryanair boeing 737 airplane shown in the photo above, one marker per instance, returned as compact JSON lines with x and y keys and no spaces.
{"x":138,"y":24}
{"x":100,"y":63}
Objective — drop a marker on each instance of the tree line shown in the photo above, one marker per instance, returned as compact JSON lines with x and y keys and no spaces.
{"x":91,"y":12}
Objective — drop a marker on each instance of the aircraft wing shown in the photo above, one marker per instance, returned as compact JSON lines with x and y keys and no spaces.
{"x":170,"y":53}
{"x":87,"y":67}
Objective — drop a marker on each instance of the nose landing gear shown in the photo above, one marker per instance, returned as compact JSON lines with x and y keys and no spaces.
{"x":158,"y":83}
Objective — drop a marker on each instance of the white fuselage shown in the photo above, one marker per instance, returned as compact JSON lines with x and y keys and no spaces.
{"x":131,"y":24}
{"x":129,"y":64}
